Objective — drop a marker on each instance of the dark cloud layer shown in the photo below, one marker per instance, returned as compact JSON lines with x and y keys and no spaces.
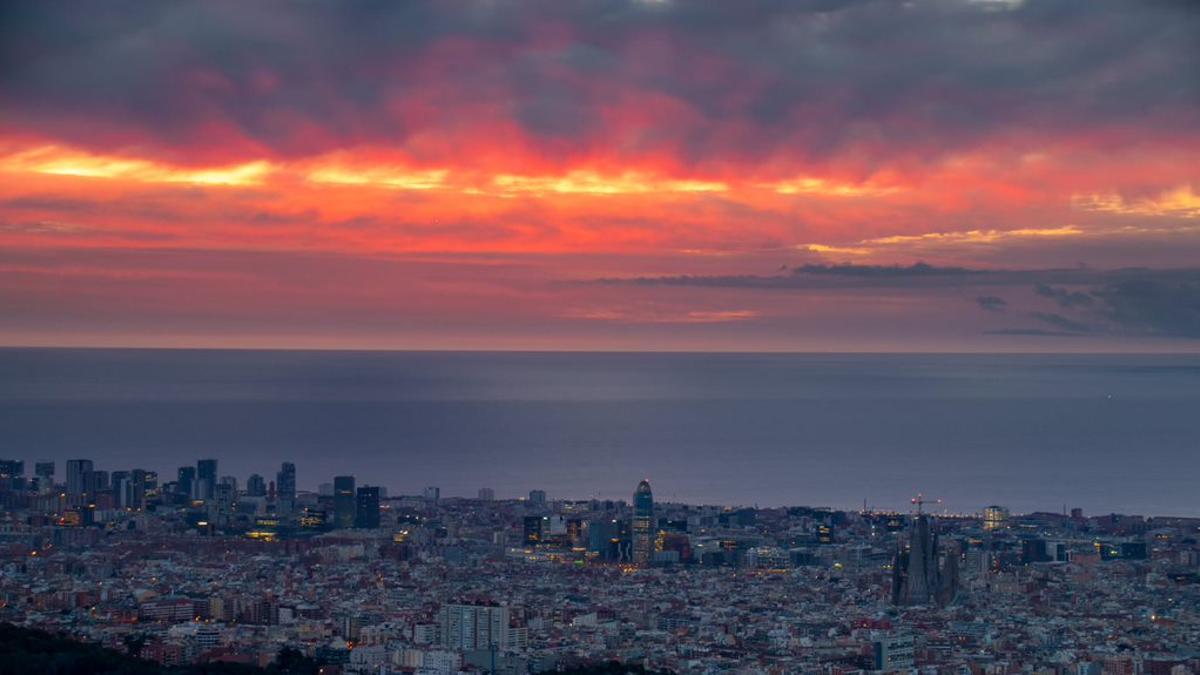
{"x":1123,"y":302}
{"x":801,"y":80}
{"x":991,"y":303}
{"x":917,"y":275}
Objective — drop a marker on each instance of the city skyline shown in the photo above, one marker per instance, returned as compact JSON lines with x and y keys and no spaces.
{"x":940,"y":175}
{"x":443,"y":586}
{"x":346,"y":486}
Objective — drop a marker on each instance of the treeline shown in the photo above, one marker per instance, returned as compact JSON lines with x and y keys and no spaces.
{"x":28,"y":650}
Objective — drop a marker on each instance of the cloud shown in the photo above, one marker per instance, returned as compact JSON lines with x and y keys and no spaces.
{"x":915,"y":276}
{"x":991,"y":303}
{"x":659,"y":147}
{"x":1062,"y":323}
{"x":1153,"y":306}
{"x":1064,"y":297}
{"x":1130,"y":302}
{"x":697,"y":82}
{"x":1033,"y":332}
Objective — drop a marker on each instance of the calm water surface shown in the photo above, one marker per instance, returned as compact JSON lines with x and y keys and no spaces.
{"x":1106,"y":433}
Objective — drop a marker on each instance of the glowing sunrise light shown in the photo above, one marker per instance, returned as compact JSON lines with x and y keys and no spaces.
{"x":820,"y":186}
{"x":979,"y":236}
{"x":387,"y":178}
{"x":1180,"y":202}
{"x":588,"y":182}
{"x":57,"y":161}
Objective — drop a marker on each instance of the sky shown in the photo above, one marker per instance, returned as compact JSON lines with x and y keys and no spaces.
{"x":800,"y":175}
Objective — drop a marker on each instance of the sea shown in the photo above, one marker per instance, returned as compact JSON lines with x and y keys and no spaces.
{"x":1045,"y":432}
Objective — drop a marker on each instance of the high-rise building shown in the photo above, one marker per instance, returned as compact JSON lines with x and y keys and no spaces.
{"x":918,"y":575}
{"x":533,"y":528}
{"x":256,"y":486}
{"x":343,"y":501}
{"x":79,"y":475}
{"x":186,"y":484}
{"x":122,"y":489}
{"x":486,"y":494}
{"x":225,"y":494}
{"x":472,"y":627}
{"x":366,"y":514}
{"x":12,"y":474}
{"x":643,"y":524}
{"x":603,"y":537}
{"x":44,"y":472}
{"x":285,"y":487}
{"x":206,"y":478}
{"x":433,"y":493}
{"x":140,"y":480}
{"x":537,"y":497}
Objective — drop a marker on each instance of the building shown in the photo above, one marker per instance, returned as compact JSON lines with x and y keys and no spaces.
{"x":285,"y":487}
{"x":343,"y":502}
{"x":79,"y":476}
{"x":256,"y":486}
{"x":537,"y":497}
{"x":12,"y":474}
{"x":643,"y":524}
{"x":893,"y":652}
{"x":44,"y":472}
{"x":122,"y":489}
{"x":533,"y":530}
{"x":471,"y":627}
{"x":206,"y":479}
{"x":185,"y":484}
{"x":995,"y":517}
{"x":367,"y":508}
{"x":486,"y":494}
{"x":433,"y":493}
{"x":918,"y":575}
{"x":139,"y":482}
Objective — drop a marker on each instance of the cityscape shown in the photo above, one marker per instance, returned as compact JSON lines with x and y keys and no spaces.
{"x":600,"y":337}
{"x":199,"y":567}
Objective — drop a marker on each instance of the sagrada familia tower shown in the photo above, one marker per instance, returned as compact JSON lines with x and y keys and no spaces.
{"x":920,"y":574}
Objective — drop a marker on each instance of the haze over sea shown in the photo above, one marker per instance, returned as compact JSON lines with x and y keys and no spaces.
{"x":1032,"y":432}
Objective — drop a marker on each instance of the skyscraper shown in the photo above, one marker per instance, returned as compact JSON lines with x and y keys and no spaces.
{"x":122,"y":489}
{"x":45,"y":470}
{"x":186,"y":484}
{"x":45,"y":476}
{"x":256,"y":486}
{"x":486,"y":494}
{"x":12,"y":474}
{"x":285,"y":487}
{"x":533,"y":532}
{"x":643,"y":524}
{"x":139,"y":478}
{"x":206,"y":478}
{"x":78,"y":476}
{"x":367,"y":508}
{"x":433,"y":493}
{"x":343,"y":501}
